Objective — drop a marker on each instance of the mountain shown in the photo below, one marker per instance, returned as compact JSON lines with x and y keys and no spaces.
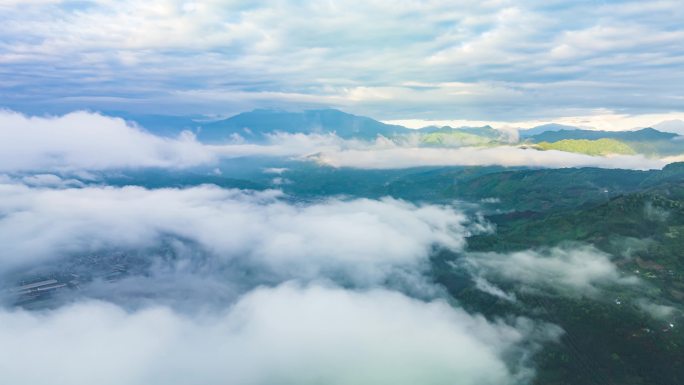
{"x":647,"y":141}
{"x":652,"y":211}
{"x":447,"y":136}
{"x":511,"y":189}
{"x":462,"y":136}
{"x":545,"y":128}
{"x":645,"y":134}
{"x":598,"y":147}
{"x":255,"y":125}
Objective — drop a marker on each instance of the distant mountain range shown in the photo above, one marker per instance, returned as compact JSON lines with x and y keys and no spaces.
{"x":645,"y":134}
{"x":258,"y":125}
{"x":647,"y":141}
{"x":551,"y":127}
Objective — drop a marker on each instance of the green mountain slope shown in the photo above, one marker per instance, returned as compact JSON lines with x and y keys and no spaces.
{"x":647,"y":141}
{"x":596,"y":147}
{"x":646,"y":134}
{"x":611,"y":338}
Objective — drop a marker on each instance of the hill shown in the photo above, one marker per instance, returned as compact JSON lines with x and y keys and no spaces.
{"x":596,"y":147}
{"x":255,"y":125}
{"x":645,"y":134}
{"x":647,"y":141}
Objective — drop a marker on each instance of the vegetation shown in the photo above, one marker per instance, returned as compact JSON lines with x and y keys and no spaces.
{"x":599,"y":147}
{"x":647,"y":141}
{"x":643,"y":135}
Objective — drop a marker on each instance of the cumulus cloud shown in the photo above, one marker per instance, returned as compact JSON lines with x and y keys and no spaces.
{"x":83,"y":140}
{"x":577,"y":270}
{"x":360,"y":240}
{"x":264,"y":277}
{"x":264,"y":272}
{"x":288,"y":334}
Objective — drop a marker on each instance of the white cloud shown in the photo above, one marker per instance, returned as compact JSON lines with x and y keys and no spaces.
{"x":47,"y":180}
{"x":599,"y":120}
{"x":658,"y":311}
{"x":83,"y":140}
{"x":483,"y":285}
{"x":402,"y":157}
{"x":227,"y":242}
{"x":577,"y":270}
{"x":286,"y":335}
{"x":360,"y":240}
{"x":672,"y":125}
{"x":275,"y":170}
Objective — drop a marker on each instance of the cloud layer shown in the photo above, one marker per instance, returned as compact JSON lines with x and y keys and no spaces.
{"x":360,"y":240}
{"x":288,"y":334}
{"x":83,"y":140}
{"x":387,"y":157}
{"x":493,"y":60}
{"x":282,"y":291}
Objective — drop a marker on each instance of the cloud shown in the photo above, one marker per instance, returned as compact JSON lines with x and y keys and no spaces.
{"x":243,"y":287}
{"x":575,"y":271}
{"x":673,"y":125}
{"x":83,"y":140}
{"x":288,"y":334}
{"x":275,"y":170}
{"x":515,"y":61}
{"x":483,"y":285}
{"x":44,"y":180}
{"x":360,"y":241}
{"x":658,"y":311}
{"x":599,"y":119}
{"x":402,"y":157}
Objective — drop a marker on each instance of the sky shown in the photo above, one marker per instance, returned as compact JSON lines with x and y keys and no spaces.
{"x":612,"y":64}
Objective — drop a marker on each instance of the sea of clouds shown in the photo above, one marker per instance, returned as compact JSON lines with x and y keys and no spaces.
{"x":258,"y":289}
{"x":244,"y":287}
{"x":90,"y":141}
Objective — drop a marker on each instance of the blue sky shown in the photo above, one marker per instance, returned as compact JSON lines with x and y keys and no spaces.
{"x":495,"y":60}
